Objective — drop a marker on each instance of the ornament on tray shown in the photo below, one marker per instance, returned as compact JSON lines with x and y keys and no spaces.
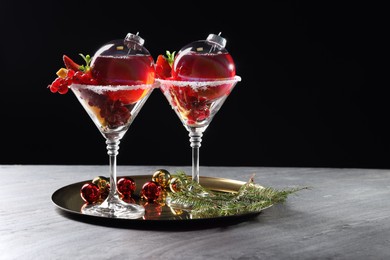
{"x":99,"y":188}
{"x":90,"y":193}
{"x":104,"y":186}
{"x":151,"y":191}
{"x":177,"y":184}
{"x":126,"y":187}
{"x":162,"y":177}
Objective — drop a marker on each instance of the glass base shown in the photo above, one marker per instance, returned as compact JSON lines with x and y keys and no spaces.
{"x":114,"y":207}
{"x":176,"y":204}
{"x":172,"y":203}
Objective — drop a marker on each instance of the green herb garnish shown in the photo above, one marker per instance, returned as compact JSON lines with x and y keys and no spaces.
{"x":87,"y":58}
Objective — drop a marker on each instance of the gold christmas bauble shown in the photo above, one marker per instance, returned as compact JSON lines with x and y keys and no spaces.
{"x":176,"y":185}
{"x":162,"y":177}
{"x":102,"y":182}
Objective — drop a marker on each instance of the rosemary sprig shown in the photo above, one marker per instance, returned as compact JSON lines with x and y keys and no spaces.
{"x":251,"y":197}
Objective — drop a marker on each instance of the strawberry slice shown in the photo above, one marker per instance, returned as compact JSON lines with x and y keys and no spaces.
{"x":164,"y":65}
{"x":70,"y":64}
{"x":163,"y":70}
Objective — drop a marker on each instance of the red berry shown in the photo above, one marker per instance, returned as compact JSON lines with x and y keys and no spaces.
{"x":63,"y":87}
{"x":70,"y":73}
{"x":77,"y":76}
{"x":53,"y":89}
{"x":57,"y":82}
{"x":126,"y":187}
{"x":90,"y":192}
{"x":85,"y":77}
{"x":67,"y":81}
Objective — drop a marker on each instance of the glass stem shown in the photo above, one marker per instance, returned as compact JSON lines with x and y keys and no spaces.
{"x":195,"y":140}
{"x":112,"y":151}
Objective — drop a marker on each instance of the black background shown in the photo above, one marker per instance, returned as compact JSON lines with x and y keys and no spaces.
{"x":310,"y":93}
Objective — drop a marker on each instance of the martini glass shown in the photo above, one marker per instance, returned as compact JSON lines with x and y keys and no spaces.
{"x":124,"y":71}
{"x":113,"y":119}
{"x":196,"y":103}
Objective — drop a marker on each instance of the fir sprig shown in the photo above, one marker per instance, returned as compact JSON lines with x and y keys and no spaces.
{"x":251,"y":197}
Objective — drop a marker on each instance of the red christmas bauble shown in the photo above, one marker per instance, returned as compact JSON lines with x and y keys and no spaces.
{"x":126,"y":187}
{"x":151,"y":191}
{"x":90,"y":192}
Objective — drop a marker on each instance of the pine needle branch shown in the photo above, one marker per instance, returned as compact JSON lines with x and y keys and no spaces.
{"x":251,"y":197}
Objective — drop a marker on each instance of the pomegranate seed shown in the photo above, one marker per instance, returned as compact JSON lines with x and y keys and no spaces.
{"x":53,"y":88}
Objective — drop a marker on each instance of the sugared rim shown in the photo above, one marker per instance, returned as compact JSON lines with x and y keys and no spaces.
{"x":180,"y":83}
{"x":114,"y":87}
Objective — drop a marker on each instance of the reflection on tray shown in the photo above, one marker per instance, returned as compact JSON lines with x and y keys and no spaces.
{"x":154,"y":210}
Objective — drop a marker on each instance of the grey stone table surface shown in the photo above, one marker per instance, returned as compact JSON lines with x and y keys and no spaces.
{"x":344,"y":215}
